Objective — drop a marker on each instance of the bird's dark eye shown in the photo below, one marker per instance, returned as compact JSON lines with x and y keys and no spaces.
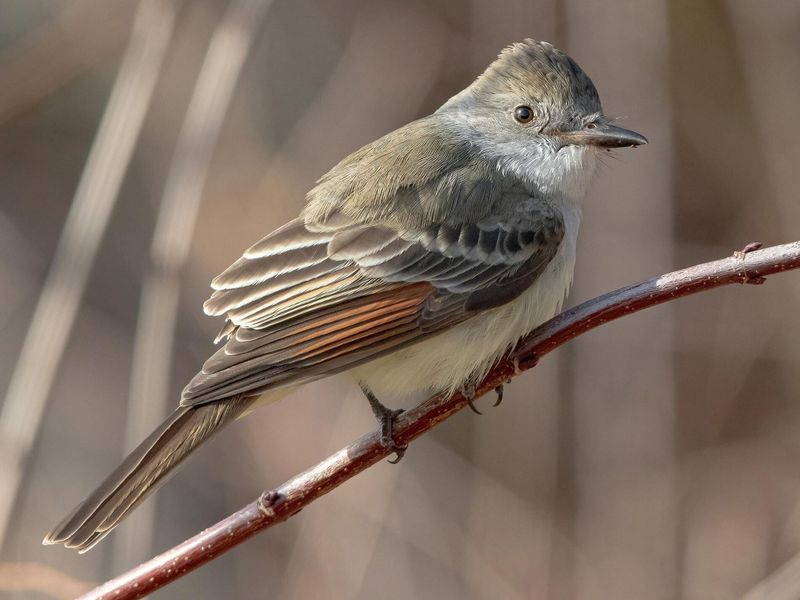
{"x":523,"y":114}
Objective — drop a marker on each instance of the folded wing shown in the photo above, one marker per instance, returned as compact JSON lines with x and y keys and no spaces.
{"x":314,"y":299}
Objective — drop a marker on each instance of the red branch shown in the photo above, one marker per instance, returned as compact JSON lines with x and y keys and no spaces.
{"x":288,"y":499}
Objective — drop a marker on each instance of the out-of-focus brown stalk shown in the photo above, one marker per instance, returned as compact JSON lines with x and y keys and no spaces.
{"x":279,"y":504}
{"x":62,"y":291}
{"x":80,"y":34}
{"x":158,"y":309}
{"x":18,"y":578}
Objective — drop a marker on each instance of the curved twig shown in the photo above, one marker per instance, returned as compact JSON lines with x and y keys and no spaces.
{"x":279,"y":504}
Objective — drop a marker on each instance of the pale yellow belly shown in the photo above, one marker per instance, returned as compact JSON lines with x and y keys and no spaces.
{"x":445,"y":362}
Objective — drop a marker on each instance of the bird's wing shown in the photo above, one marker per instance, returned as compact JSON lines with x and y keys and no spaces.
{"x":305,"y":303}
{"x":380,"y":259}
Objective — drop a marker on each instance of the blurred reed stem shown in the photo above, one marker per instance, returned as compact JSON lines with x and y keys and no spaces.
{"x":158,"y":308}
{"x":54,"y":54}
{"x":88,"y":217}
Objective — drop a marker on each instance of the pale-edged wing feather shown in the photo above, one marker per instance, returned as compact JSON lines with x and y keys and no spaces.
{"x":373,"y":290}
{"x":376,"y":261}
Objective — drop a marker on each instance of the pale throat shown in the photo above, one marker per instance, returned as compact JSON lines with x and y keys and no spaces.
{"x":554,"y":173}
{"x":551,"y":171}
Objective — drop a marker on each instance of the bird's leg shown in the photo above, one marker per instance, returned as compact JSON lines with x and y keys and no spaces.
{"x":386,"y":418}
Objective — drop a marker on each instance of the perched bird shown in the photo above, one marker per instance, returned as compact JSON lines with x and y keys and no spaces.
{"x":418,"y":261}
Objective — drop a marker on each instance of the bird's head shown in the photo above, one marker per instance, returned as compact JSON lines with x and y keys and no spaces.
{"x":538,"y":115}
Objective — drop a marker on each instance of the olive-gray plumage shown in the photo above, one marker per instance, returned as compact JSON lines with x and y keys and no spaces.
{"x":418,"y":260}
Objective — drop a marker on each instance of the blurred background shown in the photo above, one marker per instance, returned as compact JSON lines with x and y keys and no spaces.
{"x":145,"y":143}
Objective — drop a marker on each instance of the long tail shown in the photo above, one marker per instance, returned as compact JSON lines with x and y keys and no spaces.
{"x":143,"y":471}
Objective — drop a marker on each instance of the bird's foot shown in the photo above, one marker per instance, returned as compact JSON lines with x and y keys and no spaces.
{"x":468,"y":391}
{"x":386,"y":418}
{"x":740,"y":254}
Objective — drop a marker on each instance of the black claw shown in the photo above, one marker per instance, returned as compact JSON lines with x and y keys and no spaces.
{"x":399,"y":453}
{"x":471,"y":403}
{"x":499,"y":391}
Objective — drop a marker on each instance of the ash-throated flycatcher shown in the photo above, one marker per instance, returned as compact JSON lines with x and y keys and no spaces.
{"x":417,"y":262}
